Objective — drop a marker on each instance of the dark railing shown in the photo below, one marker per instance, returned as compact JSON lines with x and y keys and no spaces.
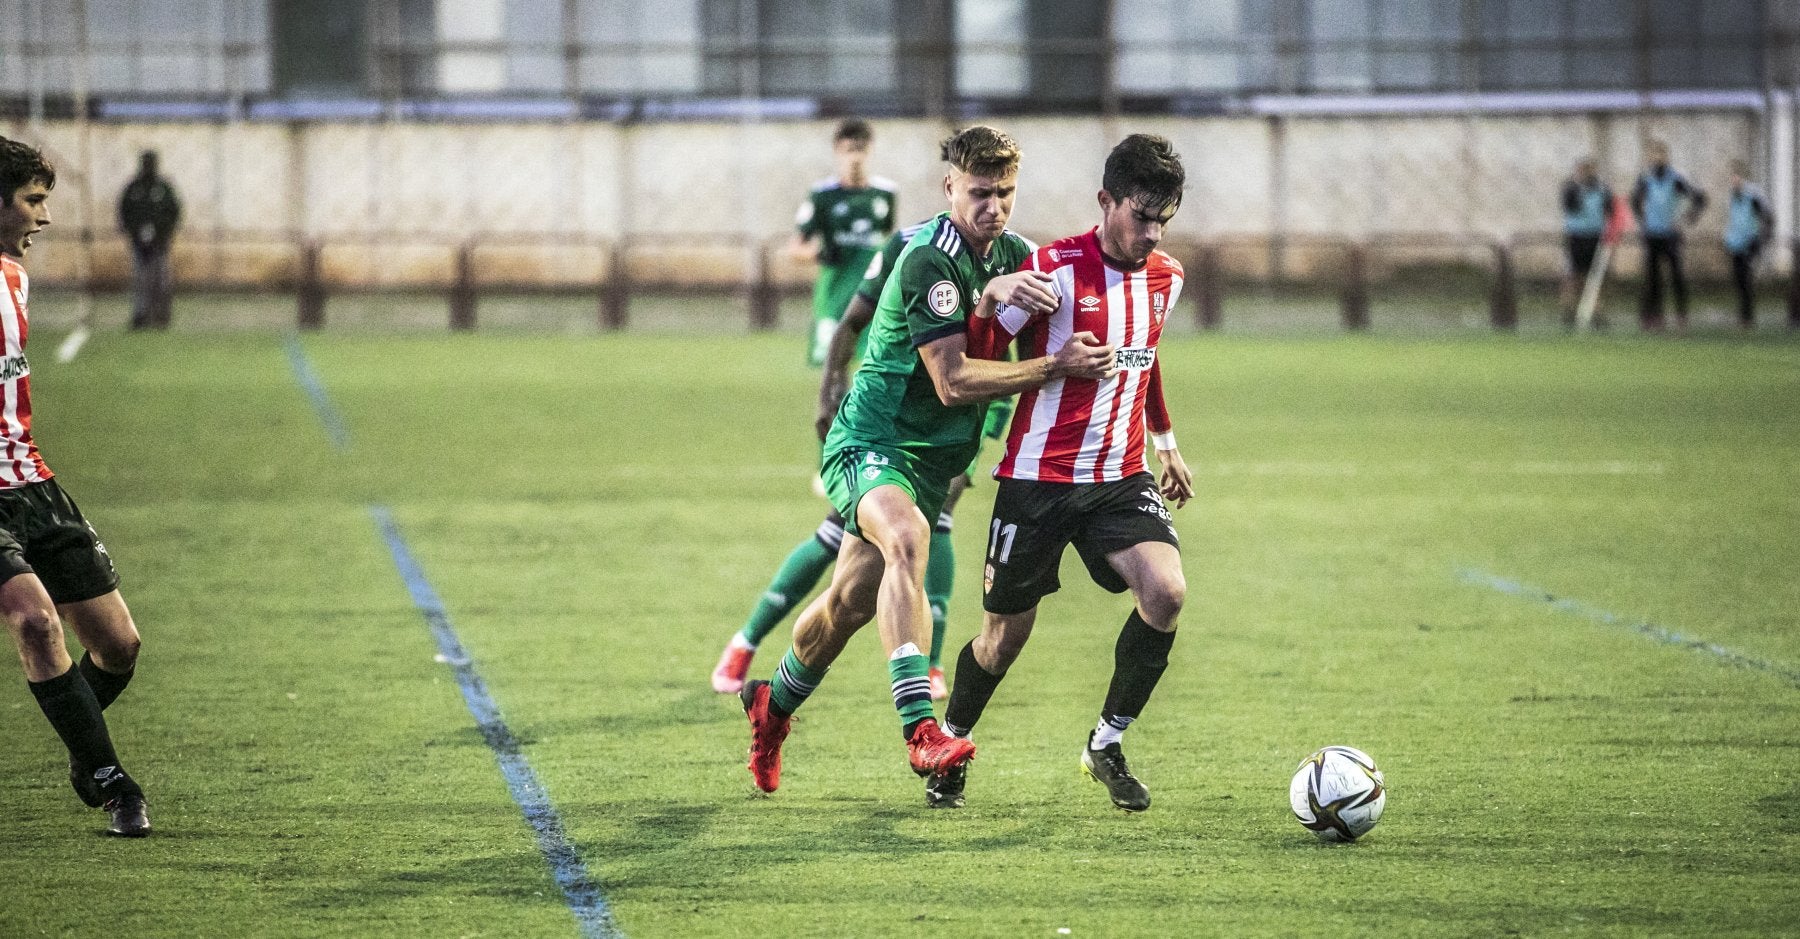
{"x":1360,"y":273}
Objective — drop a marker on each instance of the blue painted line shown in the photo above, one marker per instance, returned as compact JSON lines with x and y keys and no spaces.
{"x":315,"y":392}
{"x":592,"y":913}
{"x":1648,"y":630}
{"x":583,"y":894}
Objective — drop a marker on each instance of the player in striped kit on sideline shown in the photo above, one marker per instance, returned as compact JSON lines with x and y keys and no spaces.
{"x":1074,"y":468}
{"x":53,"y":568}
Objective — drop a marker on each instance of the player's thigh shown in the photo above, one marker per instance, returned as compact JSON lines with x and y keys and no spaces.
{"x":104,"y":626}
{"x":1031,"y":525}
{"x":953,"y":494}
{"x":1152,"y":572}
{"x":891,"y":519}
{"x":852,"y":472}
{"x":1119,"y":516}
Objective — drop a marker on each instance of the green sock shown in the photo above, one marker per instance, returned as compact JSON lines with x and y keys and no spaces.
{"x":940,"y":576}
{"x":911,"y":675}
{"x":793,"y":684}
{"x":796,"y":578}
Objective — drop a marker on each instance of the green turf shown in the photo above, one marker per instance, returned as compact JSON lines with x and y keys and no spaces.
{"x":599,"y":512}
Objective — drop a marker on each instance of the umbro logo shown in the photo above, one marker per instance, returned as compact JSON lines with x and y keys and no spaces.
{"x":1089,"y":303}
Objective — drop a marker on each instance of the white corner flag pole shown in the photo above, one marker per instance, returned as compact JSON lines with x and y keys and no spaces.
{"x":1590,"y":291}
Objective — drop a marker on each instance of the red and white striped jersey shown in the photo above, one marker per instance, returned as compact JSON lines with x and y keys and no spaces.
{"x":1077,"y":430}
{"x":19,"y":460}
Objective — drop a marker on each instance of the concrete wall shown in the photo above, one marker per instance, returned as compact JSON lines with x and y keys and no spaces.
{"x":697,"y":202}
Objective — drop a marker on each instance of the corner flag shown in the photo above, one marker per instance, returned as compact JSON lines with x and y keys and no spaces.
{"x":1618,"y":222}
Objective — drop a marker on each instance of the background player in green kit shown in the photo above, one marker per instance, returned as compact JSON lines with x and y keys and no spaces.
{"x":910,"y":423}
{"x":841,"y":225}
{"x":810,"y":559}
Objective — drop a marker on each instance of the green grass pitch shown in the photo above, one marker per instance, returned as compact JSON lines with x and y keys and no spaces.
{"x":598,"y":513}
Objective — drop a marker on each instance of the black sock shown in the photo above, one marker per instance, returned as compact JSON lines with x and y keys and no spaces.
{"x":969,"y":693}
{"x":106,"y":685}
{"x":1138,"y":662}
{"x":70,"y":705}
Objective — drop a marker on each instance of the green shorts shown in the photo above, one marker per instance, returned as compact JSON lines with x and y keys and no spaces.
{"x":850,"y":472}
{"x":832,"y":294}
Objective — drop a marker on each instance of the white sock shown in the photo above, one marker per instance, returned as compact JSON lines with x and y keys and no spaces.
{"x":1104,"y":734}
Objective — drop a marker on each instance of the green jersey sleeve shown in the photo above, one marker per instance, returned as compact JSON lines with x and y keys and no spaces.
{"x":933,"y":298}
{"x":807,"y":221}
{"x":882,"y":264}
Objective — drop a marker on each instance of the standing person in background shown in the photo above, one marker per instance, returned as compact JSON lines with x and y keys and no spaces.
{"x":1657,"y":200}
{"x":1748,"y":222}
{"x":1585,"y":202}
{"x":148,"y":214}
{"x":53,"y":568}
{"x":842,"y":225}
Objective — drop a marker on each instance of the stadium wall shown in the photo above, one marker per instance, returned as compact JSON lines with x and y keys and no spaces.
{"x":703,"y":204}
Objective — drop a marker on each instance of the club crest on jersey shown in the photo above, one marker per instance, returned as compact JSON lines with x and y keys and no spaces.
{"x":942,"y":298}
{"x":1158,"y":305}
{"x":14,"y":366}
{"x":1088,"y":304}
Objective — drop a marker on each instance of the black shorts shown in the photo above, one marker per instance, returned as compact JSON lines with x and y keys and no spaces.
{"x":1581,"y":249}
{"x":42,"y":532}
{"x":1034,"y":522}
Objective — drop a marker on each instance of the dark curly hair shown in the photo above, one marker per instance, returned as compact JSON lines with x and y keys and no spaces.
{"x":1145,"y":168}
{"x":21,"y":164}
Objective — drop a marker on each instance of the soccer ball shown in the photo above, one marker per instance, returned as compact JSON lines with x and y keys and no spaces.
{"x":1338,"y":793}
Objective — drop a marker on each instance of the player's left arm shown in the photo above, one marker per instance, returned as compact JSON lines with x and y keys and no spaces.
{"x":1696,"y":198}
{"x":1176,"y":482}
{"x":808,"y":235}
{"x":836,"y":379}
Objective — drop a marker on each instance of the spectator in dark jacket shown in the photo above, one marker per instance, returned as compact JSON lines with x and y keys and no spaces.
{"x":149,"y":213}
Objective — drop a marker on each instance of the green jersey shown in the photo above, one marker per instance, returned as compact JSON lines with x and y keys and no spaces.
{"x":850,"y":225}
{"x":892,"y":403}
{"x":885,"y":260}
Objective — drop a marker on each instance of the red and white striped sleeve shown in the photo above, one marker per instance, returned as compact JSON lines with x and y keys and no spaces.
{"x":1156,"y":410}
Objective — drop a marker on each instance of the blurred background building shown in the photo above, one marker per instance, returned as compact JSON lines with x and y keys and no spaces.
{"x":673,"y":137}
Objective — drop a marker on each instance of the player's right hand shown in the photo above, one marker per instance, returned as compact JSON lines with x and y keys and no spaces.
{"x":1025,"y":290}
{"x":1085,"y":356}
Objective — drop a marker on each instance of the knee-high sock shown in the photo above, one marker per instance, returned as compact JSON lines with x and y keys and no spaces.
{"x":969,"y":693}
{"x":799,"y":573}
{"x":940,"y":577}
{"x":69,"y":704}
{"x":1139,"y":658}
{"x":794,"y":683}
{"x":107,"y":685}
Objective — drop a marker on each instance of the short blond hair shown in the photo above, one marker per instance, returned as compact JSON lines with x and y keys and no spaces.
{"x":982,"y":151}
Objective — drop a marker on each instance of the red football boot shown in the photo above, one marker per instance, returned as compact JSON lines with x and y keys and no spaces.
{"x":766,"y":734}
{"x":934,"y":752}
{"x":734,"y":664}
